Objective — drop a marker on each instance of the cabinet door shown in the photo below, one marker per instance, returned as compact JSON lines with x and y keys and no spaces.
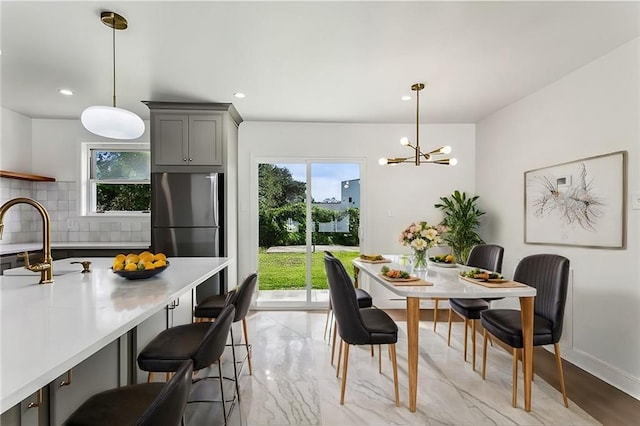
{"x":97,"y":373}
{"x":205,"y":140}
{"x":144,"y":333}
{"x":8,"y":261}
{"x":21,"y":415}
{"x":171,"y":139}
{"x":182,"y":312}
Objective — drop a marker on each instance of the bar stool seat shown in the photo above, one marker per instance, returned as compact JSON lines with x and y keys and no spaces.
{"x":144,"y":404}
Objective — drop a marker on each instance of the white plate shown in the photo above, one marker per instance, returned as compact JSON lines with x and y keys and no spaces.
{"x":443,"y":265}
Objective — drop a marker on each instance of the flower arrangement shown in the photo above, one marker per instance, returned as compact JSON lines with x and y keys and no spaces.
{"x":421,"y":236}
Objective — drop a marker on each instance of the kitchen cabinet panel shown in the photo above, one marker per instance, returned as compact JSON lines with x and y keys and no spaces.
{"x":22,"y":415}
{"x":97,"y":373}
{"x":186,"y":140}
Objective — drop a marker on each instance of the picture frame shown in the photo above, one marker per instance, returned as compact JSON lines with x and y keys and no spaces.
{"x":579,"y":203}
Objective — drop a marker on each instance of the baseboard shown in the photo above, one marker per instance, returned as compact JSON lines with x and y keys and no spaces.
{"x":612,"y":375}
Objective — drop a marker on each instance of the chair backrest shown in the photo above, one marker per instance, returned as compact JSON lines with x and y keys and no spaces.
{"x":169,"y":405}
{"x":486,"y":256}
{"x":344,"y":303}
{"x":549,"y":274}
{"x":242,"y":295}
{"x":213,"y":343}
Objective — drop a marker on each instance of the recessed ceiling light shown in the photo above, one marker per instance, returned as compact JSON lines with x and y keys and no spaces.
{"x":406,"y":98}
{"x":65,"y":92}
{"x":239,"y":95}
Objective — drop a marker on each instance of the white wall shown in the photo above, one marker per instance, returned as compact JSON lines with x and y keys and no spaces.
{"x":15,"y":142}
{"x":590,"y":112}
{"x":51,"y":147}
{"x":392,"y":196}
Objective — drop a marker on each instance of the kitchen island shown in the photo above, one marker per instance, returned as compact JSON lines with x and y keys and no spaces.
{"x":47,"y":329}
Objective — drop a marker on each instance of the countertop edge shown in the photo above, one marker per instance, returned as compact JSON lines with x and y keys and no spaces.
{"x":13,"y":248}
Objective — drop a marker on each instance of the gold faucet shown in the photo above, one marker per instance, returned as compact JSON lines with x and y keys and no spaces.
{"x":45,"y":267}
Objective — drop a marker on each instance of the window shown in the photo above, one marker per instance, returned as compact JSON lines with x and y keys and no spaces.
{"x":118,"y":179}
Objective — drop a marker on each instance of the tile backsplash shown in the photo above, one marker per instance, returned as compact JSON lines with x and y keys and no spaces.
{"x":22,"y":223}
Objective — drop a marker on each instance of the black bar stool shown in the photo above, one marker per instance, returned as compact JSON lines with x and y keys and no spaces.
{"x":146,"y":404}
{"x":203,"y":343}
{"x":240,"y":297}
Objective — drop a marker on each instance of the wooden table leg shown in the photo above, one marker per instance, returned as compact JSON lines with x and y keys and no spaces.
{"x":413,"y":321}
{"x":356,"y":273}
{"x":526,"y":309}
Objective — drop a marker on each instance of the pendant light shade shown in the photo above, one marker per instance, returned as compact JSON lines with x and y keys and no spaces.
{"x":111,"y":121}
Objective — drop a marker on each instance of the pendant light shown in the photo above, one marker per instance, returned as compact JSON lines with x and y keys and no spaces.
{"x":418,"y":156}
{"x":110,"y":121}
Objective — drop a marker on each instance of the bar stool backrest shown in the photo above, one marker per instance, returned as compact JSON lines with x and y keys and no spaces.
{"x":168,"y":407}
{"x":241,"y":297}
{"x":213,"y":343}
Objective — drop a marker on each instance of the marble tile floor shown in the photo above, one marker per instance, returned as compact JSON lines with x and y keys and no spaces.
{"x":293,"y":383}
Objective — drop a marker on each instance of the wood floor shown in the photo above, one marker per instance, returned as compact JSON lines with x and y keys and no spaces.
{"x":604,"y":402}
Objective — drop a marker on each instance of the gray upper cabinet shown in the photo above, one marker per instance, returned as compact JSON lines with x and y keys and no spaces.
{"x":192,"y":137}
{"x":188,"y":140}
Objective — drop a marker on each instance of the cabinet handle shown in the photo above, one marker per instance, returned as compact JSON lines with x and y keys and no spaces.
{"x":38,"y":401}
{"x":68,"y":381}
{"x":184,"y":159}
{"x":190,"y":159}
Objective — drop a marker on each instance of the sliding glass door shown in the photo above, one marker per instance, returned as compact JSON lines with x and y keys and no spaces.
{"x":304,"y":208}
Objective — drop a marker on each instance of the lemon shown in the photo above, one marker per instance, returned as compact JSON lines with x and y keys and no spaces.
{"x":159,"y":263}
{"x":160,"y":256}
{"x":145,"y":255}
{"x":132,"y":258}
{"x":149,"y":266}
{"x":131,"y":267}
{"x":118,"y":266}
{"x":120,"y":257}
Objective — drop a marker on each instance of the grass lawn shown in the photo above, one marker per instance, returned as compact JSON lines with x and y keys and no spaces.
{"x":282,"y":271}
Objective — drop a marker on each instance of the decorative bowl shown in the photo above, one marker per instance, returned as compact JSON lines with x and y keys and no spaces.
{"x":140,"y":275}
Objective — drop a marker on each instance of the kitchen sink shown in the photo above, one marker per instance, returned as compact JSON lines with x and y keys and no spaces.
{"x":56,"y":272}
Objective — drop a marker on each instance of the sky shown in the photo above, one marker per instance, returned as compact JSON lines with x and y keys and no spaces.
{"x":325,"y":177}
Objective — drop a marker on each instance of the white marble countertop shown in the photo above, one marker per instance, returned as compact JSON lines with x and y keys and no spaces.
{"x":46,"y":329}
{"x":13,"y":248}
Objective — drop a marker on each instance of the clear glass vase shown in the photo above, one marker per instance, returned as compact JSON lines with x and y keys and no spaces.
{"x":419,"y":260}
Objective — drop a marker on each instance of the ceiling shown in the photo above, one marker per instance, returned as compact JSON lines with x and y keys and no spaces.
{"x":302,"y":61}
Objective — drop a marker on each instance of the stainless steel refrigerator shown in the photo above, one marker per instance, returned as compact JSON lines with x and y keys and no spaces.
{"x":187,"y":220}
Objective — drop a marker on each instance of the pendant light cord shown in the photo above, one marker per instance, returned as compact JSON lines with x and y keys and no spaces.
{"x":113,"y":26}
{"x":418,"y":153}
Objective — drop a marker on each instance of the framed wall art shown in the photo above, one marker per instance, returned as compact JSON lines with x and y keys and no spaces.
{"x":580,"y":203}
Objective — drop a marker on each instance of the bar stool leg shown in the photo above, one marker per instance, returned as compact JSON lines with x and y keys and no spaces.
{"x":246,"y":343}
{"x":235,"y":366}
{"x":221,"y":379}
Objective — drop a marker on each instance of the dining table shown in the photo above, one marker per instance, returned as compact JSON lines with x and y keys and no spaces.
{"x":444,"y":281}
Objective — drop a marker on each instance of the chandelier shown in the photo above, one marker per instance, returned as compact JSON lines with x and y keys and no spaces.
{"x":418,"y":157}
{"x":112,"y":122}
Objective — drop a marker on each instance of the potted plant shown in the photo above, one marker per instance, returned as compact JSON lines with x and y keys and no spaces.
{"x":461,"y":217}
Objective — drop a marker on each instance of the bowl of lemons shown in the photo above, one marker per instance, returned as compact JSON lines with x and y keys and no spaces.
{"x":134,"y":266}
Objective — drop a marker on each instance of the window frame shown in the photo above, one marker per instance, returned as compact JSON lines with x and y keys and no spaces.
{"x":88,"y":190}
